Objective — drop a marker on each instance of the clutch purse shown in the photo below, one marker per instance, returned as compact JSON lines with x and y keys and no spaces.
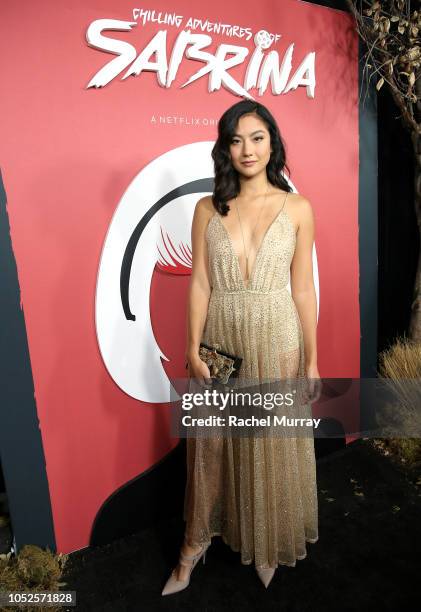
{"x":222,"y":365}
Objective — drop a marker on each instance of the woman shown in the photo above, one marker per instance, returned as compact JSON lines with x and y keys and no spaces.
{"x":258,"y":494}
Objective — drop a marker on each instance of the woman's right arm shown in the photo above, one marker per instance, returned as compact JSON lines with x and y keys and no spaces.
{"x":199,"y":290}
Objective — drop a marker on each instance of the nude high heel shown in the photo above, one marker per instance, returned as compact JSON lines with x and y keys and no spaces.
{"x":173,"y":585}
{"x":265,"y":574}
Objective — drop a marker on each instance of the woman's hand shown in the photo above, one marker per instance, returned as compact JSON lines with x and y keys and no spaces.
{"x":199,"y":370}
{"x":314,"y":384}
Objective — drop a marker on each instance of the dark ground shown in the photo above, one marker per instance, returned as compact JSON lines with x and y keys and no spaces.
{"x":367,"y":556}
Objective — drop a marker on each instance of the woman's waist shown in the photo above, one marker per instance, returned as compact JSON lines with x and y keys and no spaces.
{"x":218,"y":291}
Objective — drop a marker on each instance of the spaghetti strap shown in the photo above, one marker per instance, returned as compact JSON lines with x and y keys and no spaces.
{"x":284,"y":201}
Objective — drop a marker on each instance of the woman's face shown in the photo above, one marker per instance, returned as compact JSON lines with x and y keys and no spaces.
{"x":251,"y":142}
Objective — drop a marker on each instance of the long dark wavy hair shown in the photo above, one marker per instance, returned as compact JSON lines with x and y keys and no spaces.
{"x":227,"y":183}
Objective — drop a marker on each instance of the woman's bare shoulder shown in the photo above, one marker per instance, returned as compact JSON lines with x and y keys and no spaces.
{"x":205,"y":207}
{"x":299,"y":207}
{"x":298,"y":199}
{"x":300,"y":203}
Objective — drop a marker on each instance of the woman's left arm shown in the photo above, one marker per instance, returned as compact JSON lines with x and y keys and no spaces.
{"x":302,"y":284}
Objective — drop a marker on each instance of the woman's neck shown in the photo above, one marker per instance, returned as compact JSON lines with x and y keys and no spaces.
{"x":254,"y":187}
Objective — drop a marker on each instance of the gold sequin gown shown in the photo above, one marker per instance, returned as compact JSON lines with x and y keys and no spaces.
{"x":259,"y":493}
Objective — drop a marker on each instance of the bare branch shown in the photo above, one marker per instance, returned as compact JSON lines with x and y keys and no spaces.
{"x":390,"y":31}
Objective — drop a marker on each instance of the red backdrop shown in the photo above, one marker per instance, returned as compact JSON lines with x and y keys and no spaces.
{"x":68,"y":153}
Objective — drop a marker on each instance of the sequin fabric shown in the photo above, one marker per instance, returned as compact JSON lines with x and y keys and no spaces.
{"x":259,"y":493}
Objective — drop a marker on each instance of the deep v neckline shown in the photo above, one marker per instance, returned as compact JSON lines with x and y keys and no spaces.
{"x":234,"y":254}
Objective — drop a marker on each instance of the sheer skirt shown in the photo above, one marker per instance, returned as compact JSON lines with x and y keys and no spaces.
{"x":258,"y":493}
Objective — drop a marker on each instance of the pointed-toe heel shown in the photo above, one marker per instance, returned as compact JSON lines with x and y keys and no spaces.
{"x":173,"y":585}
{"x":265,"y":574}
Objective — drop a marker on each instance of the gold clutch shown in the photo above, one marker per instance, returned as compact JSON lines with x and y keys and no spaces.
{"x":222,"y":366}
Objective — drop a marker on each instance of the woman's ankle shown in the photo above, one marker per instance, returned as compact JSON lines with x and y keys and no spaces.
{"x":191,"y":547}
